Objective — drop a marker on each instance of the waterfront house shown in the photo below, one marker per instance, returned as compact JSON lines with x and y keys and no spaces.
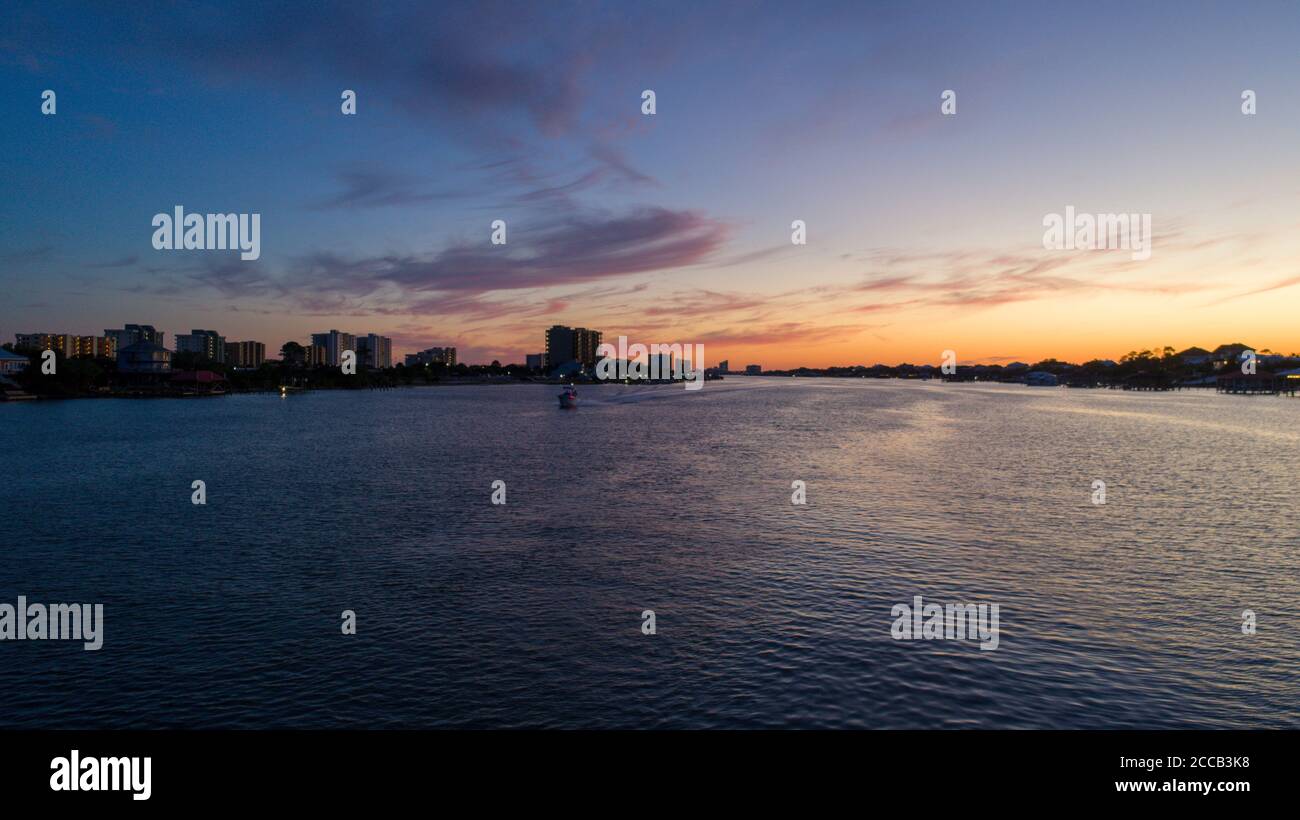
{"x":11,"y":362}
{"x":1194,"y":356}
{"x":144,"y":357}
{"x":143,"y":365}
{"x":1225,"y":355}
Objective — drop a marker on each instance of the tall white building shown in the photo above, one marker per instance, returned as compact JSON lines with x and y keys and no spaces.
{"x":335,"y":342}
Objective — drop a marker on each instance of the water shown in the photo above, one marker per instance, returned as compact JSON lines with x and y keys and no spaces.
{"x":768,"y":614}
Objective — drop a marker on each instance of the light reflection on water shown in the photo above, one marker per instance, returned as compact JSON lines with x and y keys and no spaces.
{"x":768,"y":614}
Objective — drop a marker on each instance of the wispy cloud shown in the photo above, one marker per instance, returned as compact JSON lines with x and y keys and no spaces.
{"x":1288,"y":282}
{"x":123,"y":262}
{"x":373,"y":187}
{"x":471,"y":278}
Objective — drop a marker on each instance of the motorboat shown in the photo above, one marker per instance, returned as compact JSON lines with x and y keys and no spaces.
{"x":569,"y":398}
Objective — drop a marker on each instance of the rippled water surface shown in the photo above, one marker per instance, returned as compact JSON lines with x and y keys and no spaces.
{"x":768,"y":614}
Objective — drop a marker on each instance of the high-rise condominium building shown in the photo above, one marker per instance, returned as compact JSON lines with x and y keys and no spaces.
{"x":566,"y":344}
{"x":374,"y":351}
{"x":207,"y":343}
{"x":245,"y":354}
{"x":69,"y":345}
{"x":559,"y":345}
{"x":60,"y":343}
{"x":94,"y":346}
{"x":585,"y":343}
{"x":434,"y":355}
{"x":130,"y":334}
{"x":335,"y":342}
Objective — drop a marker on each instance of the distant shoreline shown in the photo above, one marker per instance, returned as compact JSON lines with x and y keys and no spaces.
{"x":170,"y":393}
{"x":506,"y":381}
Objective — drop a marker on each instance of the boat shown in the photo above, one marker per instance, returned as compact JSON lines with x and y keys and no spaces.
{"x":569,"y":398}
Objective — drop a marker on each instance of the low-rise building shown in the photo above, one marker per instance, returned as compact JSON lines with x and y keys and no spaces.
{"x":198,"y":381}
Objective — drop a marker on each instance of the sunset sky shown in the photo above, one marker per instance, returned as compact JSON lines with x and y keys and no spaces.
{"x":924,"y":231}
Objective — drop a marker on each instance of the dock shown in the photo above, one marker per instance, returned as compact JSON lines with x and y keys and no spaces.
{"x":1258,"y":384}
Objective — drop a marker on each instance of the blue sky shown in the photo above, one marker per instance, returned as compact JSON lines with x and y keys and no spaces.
{"x":924,"y":230}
